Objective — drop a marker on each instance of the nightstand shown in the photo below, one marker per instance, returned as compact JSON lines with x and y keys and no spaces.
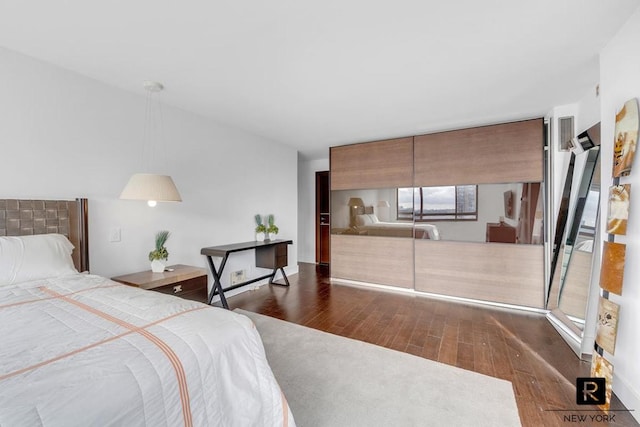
{"x":184,"y":281}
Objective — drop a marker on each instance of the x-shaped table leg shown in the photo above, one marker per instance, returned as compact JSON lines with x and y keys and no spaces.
{"x":216,"y":281}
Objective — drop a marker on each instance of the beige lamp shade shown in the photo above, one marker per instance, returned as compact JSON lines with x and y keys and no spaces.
{"x":355,"y":202}
{"x":151,"y":187}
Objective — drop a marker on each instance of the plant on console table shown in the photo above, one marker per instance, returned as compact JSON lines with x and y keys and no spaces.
{"x":159,"y":255}
{"x":272,"y":229}
{"x":261,"y":229}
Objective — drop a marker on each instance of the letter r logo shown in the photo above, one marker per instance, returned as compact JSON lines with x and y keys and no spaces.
{"x":591,"y":391}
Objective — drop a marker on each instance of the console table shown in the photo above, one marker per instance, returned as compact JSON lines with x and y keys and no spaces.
{"x":269,"y":254}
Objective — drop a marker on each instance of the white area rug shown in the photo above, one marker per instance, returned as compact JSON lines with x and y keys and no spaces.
{"x":335,"y":381}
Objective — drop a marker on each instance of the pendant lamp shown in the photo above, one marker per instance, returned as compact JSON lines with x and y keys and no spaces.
{"x":150,"y":186}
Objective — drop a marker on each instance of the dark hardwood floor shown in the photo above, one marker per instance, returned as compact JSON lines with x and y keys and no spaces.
{"x":516,"y":346}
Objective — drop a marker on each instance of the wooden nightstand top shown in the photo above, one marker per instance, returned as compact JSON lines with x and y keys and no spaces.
{"x":149,"y":280}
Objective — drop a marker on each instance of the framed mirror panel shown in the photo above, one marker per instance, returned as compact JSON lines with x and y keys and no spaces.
{"x":490,"y":213}
{"x":576,"y":250}
{"x":571,"y":287}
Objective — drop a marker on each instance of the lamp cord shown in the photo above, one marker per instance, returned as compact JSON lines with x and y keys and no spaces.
{"x":154,"y":160}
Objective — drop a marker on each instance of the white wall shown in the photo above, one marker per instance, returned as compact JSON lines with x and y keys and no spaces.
{"x":66,"y":136}
{"x":619,"y":82}
{"x":307,"y":207}
{"x":588,"y":110}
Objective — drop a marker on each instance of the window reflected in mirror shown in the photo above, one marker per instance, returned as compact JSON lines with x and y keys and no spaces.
{"x":495,"y":213}
{"x":443,"y":203}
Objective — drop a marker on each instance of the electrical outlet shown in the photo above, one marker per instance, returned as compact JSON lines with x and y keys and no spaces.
{"x":114,"y":234}
{"x":238,"y":276}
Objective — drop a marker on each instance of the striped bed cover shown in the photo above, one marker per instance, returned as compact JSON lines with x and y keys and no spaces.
{"x":85,"y":351}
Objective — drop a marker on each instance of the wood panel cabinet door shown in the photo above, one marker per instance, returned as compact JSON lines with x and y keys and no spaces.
{"x":379,"y":164}
{"x":372,"y":259}
{"x":497,"y":272}
{"x":508,"y":152}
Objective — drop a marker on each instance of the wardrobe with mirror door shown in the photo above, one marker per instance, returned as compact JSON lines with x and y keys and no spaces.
{"x":509,"y":154}
{"x":456,"y":213}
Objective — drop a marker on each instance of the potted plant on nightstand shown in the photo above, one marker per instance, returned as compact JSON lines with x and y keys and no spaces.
{"x":261,"y":230}
{"x":159,"y":255}
{"x":272,"y":229}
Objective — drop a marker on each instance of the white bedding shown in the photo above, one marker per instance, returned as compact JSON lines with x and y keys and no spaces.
{"x":402,"y":229}
{"x":84,"y":351}
{"x":370,"y":224}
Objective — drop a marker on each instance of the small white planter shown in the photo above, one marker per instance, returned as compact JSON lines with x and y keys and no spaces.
{"x":260,"y":237}
{"x":157,"y":265}
{"x":272,"y":236}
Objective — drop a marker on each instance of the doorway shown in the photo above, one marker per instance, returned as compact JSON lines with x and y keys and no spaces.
{"x":323,"y":218}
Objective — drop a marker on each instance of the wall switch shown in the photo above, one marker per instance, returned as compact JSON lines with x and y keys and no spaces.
{"x":114,"y":234}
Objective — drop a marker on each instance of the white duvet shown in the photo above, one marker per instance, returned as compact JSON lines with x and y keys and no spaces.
{"x":85,"y":351}
{"x":429,"y":231}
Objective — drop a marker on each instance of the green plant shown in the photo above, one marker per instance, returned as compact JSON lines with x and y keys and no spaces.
{"x":160,"y":252}
{"x":260,"y":228}
{"x":272,"y":228}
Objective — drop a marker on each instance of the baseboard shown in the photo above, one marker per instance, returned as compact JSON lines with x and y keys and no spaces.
{"x":627,"y":395}
{"x":566,"y":330}
{"x":386,"y":288}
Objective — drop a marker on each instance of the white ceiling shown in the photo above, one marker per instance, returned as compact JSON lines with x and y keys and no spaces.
{"x":323,"y":73}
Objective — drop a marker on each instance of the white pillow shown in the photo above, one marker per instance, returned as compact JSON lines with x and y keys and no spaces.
{"x":27,"y":258}
{"x":363,"y":220}
{"x":373,"y":218}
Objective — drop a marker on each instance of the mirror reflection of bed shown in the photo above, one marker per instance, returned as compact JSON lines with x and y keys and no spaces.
{"x":370,"y":225}
{"x":495,"y":213}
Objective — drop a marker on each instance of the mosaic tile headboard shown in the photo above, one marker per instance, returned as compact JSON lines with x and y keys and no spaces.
{"x":67,"y":217}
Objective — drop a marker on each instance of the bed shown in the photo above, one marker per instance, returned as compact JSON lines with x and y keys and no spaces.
{"x":370,"y":225}
{"x":80,"y":349}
